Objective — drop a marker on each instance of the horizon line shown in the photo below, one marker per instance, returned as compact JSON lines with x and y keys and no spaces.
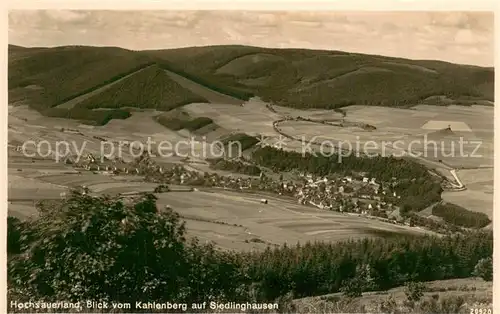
{"x":241,"y":45}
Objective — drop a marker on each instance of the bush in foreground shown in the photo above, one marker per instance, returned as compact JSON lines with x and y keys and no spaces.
{"x":414,"y":291}
{"x":107,"y":250}
{"x":484,"y":269}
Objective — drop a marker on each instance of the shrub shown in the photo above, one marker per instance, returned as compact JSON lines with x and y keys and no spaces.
{"x":451,"y":304}
{"x":161,"y":188}
{"x":414,"y":291}
{"x":484,"y":269}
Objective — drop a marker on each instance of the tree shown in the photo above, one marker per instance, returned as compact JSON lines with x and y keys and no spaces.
{"x":362,"y":281}
{"x":13,"y":235}
{"x":484,"y":269}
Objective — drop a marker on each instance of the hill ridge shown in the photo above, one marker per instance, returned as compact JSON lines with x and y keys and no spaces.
{"x":292,"y":77}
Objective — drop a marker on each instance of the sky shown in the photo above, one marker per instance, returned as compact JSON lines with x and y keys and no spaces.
{"x":458,"y":37}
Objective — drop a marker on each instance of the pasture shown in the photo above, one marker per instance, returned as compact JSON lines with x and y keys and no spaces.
{"x":253,"y":117}
{"x":236,"y":220}
{"x":407,"y":130}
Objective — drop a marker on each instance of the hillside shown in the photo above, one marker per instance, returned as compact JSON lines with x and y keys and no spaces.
{"x":150,"y":88}
{"x":326,"y":79}
{"x":48,"y":77}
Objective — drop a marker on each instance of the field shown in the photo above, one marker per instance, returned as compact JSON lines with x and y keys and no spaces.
{"x":233,"y":220}
{"x":280,"y":221}
{"x":402,"y":130}
{"x":479,"y":193}
{"x":253,"y":117}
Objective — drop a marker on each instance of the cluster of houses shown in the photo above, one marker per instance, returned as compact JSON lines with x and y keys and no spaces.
{"x":361,"y":195}
{"x":113,"y":166}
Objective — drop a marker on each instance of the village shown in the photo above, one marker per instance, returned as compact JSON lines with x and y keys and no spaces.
{"x":357,"y":194}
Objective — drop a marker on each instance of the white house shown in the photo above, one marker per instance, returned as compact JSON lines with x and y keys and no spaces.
{"x":365,"y":180}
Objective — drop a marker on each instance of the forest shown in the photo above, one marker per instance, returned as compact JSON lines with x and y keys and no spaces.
{"x":460,"y":216}
{"x":176,"y":124}
{"x":150,"y":88}
{"x":235,"y":166}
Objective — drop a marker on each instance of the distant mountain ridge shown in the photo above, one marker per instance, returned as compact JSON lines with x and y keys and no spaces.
{"x":300,"y":78}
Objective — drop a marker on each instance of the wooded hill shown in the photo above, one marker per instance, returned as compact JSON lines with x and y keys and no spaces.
{"x":47,"y":77}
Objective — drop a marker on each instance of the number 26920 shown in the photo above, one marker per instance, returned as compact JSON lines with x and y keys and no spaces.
{"x":481,"y":311}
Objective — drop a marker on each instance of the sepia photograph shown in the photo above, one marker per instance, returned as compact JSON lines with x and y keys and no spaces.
{"x":250,"y":161}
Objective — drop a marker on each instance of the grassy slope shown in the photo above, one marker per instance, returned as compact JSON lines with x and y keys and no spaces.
{"x":292,"y":77}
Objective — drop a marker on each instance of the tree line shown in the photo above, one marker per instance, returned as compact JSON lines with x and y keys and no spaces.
{"x":235,"y":166}
{"x":460,"y":216}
